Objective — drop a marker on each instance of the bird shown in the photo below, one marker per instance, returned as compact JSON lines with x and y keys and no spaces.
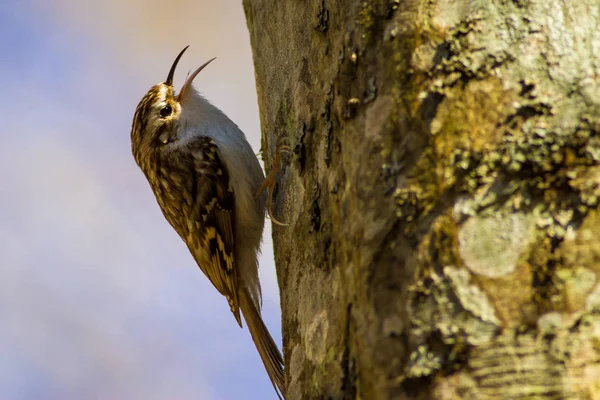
{"x":206,"y":180}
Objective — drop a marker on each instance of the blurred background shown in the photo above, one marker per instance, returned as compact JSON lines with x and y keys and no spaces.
{"x":99,"y":298}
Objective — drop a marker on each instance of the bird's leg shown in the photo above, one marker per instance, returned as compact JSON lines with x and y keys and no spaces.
{"x":269,"y":182}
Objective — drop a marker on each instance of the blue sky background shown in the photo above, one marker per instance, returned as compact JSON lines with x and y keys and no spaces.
{"x":99,"y":298}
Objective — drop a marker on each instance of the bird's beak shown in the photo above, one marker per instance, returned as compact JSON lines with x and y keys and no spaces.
{"x":169,"y":81}
{"x":190,"y":79}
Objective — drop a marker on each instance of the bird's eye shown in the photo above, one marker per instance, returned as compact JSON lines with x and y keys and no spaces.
{"x":165,"y":111}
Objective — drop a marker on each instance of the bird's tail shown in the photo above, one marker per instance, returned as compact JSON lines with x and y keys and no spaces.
{"x":269,"y":353}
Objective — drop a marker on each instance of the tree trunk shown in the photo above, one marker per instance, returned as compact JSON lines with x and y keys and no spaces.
{"x":441,"y":195}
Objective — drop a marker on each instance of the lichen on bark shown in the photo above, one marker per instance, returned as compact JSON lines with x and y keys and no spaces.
{"x":441,"y":194}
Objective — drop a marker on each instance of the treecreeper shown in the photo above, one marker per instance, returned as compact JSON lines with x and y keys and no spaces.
{"x":204,"y":176}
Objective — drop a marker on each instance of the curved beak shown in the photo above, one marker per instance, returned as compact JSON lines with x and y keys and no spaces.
{"x":169,"y":80}
{"x":190,"y":79}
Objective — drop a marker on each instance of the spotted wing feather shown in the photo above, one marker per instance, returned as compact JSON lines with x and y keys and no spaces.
{"x":211,"y":239}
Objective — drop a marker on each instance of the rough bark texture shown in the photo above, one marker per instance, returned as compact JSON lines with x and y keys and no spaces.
{"x":442,"y":193}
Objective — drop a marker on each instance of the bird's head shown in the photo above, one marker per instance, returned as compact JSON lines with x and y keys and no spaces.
{"x":158,"y":114}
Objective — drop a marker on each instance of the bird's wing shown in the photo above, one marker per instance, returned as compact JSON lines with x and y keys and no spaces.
{"x":211,"y":238}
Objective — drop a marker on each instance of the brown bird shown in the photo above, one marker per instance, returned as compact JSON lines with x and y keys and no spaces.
{"x":204,"y":174}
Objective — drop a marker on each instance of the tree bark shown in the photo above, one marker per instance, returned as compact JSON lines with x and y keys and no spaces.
{"x":441,"y":195}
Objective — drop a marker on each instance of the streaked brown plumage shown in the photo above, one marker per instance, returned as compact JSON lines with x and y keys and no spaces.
{"x":203,"y":174}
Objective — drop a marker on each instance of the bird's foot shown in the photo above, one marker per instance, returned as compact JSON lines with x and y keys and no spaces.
{"x":269,"y":182}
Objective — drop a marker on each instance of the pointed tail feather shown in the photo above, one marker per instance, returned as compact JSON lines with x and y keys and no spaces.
{"x":269,"y":353}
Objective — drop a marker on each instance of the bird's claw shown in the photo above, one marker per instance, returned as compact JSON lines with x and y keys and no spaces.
{"x":269,"y":182}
